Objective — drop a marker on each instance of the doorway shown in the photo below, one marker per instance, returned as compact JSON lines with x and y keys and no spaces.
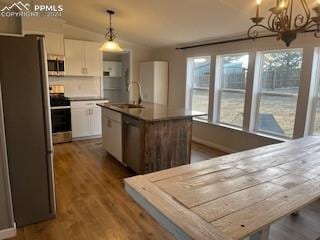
{"x":116,"y":76}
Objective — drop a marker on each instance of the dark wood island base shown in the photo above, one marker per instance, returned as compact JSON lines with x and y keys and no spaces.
{"x":167,"y":144}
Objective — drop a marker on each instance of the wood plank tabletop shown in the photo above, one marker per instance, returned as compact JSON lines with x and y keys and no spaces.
{"x":234,"y":196}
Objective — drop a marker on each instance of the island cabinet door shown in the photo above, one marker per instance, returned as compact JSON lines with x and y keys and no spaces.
{"x":112,"y":137}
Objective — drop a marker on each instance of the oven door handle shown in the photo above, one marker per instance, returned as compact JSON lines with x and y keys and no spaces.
{"x":61,"y":107}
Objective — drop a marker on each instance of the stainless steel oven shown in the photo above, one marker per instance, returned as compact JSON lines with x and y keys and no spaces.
{"x":61,"y":124}
{"x":60,"y":115}
{"x":56,"y":65}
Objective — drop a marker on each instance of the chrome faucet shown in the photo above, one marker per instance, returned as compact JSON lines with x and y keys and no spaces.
{"x":139,"y":92}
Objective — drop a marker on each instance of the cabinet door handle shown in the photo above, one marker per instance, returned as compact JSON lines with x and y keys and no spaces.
{"x":84,"y":70}
{"x":109,"y":123}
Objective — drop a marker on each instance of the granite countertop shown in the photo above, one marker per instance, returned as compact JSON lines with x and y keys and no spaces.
{"x":153,"y":112}
{"x":95,"y":98}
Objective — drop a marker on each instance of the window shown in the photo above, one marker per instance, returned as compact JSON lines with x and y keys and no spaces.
{"x":279,"y":79}
{"x":231,"y":87}
{"x":198,"y":84}
{"x":316,"y":98}
{"x":316,"y":127}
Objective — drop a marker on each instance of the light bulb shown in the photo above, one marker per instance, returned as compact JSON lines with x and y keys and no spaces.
{"x":258,"y":2}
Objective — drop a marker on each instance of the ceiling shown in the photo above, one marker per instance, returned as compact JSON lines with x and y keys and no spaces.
{"x":158,"y":23}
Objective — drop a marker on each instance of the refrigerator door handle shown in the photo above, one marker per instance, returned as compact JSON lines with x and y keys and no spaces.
{"x":47,"y":121}
{"x":45,"y":93}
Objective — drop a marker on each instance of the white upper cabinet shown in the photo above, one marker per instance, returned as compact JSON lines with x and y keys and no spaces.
{"x":82,"y":58}
{"x":92,"y":58}
{"x":112,"y":69}
{"x":54,"y":43}
{"x":74,"y":57}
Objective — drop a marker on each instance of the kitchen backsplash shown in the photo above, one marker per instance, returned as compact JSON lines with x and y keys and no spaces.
{"x":78,"y":86}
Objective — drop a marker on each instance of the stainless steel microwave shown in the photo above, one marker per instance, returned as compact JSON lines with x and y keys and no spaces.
{"x":56,"y":65}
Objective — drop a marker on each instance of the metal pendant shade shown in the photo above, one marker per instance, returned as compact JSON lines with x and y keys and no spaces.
{"x":110,"y":45}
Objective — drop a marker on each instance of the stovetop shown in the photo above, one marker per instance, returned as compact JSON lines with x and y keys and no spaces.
{"x":59,"y":100}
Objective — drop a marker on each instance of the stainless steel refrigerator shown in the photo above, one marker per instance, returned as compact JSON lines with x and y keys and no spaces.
{"x":25,"y":97}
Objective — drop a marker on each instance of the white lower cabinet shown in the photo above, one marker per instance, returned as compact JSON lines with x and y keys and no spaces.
{"x":112,"y":133}
{"x":86,"y":119}
{"x":80,"y":120}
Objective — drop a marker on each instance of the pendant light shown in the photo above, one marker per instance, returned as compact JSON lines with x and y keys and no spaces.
{"x":110,"y":45}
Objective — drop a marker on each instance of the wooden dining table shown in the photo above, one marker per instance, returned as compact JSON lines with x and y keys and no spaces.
{"x":237,"y":196}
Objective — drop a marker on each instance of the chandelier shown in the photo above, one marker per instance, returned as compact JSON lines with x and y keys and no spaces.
{"x":286,"y":22}
{"x":110,"y":45}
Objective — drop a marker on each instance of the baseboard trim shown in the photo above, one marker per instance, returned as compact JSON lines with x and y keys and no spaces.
{"x":86,"y":138}
{"x":8,"y":233}
{"x":213,"y":145}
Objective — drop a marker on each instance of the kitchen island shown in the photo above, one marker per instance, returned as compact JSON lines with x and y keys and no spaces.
{"x":147,"y":138}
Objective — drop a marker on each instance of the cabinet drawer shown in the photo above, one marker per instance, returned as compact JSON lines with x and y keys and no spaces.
{"x":89,"y":104}
{"x":82,"y":104}
{"x":113,"y":115}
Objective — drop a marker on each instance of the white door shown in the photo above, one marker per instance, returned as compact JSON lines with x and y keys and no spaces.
{"x":54,"y":43}
{"x":93,"y":58}
{"x":74,"y":57}
{"x":95,"y":121}
{"x":146,"y":77}
{"x":80,"y":118}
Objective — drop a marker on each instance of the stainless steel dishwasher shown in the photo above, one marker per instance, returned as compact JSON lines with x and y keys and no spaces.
{"x":132,"y":130}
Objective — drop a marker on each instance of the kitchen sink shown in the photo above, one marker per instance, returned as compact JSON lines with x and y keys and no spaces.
{"x":127,"y":105}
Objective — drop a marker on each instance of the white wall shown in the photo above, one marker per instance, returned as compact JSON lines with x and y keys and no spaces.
{"x":230,"y":139}
{"x":11,"y":25}
{"x":227,"y":139}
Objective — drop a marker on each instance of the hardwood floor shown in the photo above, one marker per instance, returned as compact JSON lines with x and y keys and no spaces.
{"x":92,"y":204}
{"x":200,"y":152}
